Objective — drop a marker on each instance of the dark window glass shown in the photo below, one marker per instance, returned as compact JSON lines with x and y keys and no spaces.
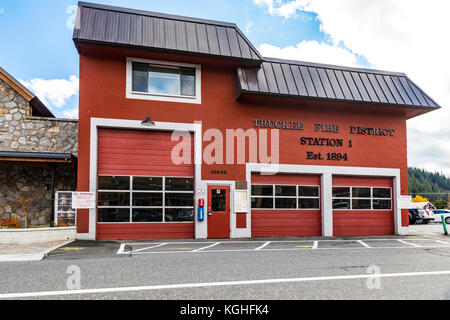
{"x":140,"y":77}
{"x":147,"y":199}
{"x":305,"y":203}
{"x":219,"y":200}
{"x":286,"y":203}
{"x":361,"y":192}
{"x":179,"y":184}
{"x":382,"y":193}
{"x":261,"y":190}
{"x":179,"y":215}
{"x":113,"y":183}
{"x":179,"y":199}
{"x":147,"y":215}
{"x":382,"y":204}
{"x":360,"y":204}
{"x":285,"y":191}
{"x":262,"y":203}
{"x":164,"y":80}
{"x":341,"y":192}
{"x":147,"y":183}
{"x":113,"y":215}
{"x":113,"y":199}
{"x":341,"y":204}
{"x":188,"y":82}
{"x":308,"y":191}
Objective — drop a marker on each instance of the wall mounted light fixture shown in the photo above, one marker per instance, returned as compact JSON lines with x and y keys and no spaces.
{"x":147,"y":122}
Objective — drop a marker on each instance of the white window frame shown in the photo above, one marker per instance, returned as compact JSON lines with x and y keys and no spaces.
{"x":163,"y":207}
{"x":130,"y":94}
{"x":371,"y":198}
{"x":58,"y":210}
{"x":297,"y":197}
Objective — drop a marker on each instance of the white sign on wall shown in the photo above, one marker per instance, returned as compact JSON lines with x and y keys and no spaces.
{"x":404,"y":202}
{"x":240,"y":201}
{"x":83,"y":200}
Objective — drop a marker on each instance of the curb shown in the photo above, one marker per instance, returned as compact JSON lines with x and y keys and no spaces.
{"x":31,"y":257}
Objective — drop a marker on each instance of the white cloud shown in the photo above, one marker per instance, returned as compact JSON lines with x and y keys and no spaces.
{"x":407,"y":36}
{"x":248,"y":26}
{"x":71,"y":113}
{"x":312,"y":51}
{"x":54,"y":92}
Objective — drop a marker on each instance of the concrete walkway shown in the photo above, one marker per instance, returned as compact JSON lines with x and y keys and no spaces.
{"x":435,"y":230}
{"x":29,"y":252}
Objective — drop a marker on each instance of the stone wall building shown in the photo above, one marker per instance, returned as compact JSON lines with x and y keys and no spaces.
{"x":38,"y":154}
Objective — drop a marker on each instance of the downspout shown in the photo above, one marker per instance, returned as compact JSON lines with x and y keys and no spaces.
{"x":52,"y":213}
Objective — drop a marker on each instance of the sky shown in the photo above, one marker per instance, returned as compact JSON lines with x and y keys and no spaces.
{"x":409,"y":36}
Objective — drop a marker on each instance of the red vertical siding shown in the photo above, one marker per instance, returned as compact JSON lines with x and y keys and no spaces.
{"x":286,"y":223}
{"x":357,"y":223}
{"x":103,"y":83}
{"x":141,"y":153}
{"x":241,"y":220}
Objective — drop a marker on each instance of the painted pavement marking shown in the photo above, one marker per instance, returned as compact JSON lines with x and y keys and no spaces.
{"x":217,"y":284}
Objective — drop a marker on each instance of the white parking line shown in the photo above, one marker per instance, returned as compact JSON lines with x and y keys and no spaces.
{"x":122,"y":247}
{"x":296,"y":249}
{"x":217,"y":284}
{"x":263,"y":241}
{"x":203,"y":248}
{"x":209,"y":244}
{"x":263,"y":246}
{"x":364,"y":244}
{"x":411,"y":244}
{"x":142,"y":249}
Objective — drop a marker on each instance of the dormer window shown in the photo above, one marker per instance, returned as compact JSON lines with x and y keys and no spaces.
{"x":163,"y":81}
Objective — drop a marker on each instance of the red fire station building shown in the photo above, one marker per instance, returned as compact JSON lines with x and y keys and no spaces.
{"x":163,"y":97}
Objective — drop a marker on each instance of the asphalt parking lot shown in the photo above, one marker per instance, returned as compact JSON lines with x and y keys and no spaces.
{"x":296,"y":268}
{"x":141,"y":248}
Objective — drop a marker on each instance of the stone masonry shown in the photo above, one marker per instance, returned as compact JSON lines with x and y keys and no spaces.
{"x":21,"y":132}
{"x":33,"y":182}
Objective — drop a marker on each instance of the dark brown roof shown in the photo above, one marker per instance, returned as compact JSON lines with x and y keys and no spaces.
{"x":101,"y":24}
{"x":106,"y":25}
{"x":321,"y":81}
{"x":39,"y":109}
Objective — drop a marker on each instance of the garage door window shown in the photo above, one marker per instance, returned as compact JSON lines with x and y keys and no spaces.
{"x":284,"y":197}
{"x":362,"y":198}
{"x":145,"y":199}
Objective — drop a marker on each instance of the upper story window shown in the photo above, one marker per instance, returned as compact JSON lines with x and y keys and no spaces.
{"x":163,"y":81}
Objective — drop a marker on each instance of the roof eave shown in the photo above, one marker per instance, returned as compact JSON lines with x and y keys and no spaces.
{"x":419,"y":110}
{"x":31,"y":98}
{"x":247,"y":62}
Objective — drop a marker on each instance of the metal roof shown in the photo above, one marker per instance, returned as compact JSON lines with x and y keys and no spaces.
{"x":321,"y":81}
{"x":108,"y":25}
{"x":36,"y":155}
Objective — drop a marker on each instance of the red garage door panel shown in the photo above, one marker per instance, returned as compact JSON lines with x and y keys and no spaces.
{"x":286,"y":223}
{"x":142,"y":153}
{"x":307,"y":180}
{"x":142,"y":231}
{"x":361,"y":223}
{"x":291,"y":224}
{"x":132,"y":152}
